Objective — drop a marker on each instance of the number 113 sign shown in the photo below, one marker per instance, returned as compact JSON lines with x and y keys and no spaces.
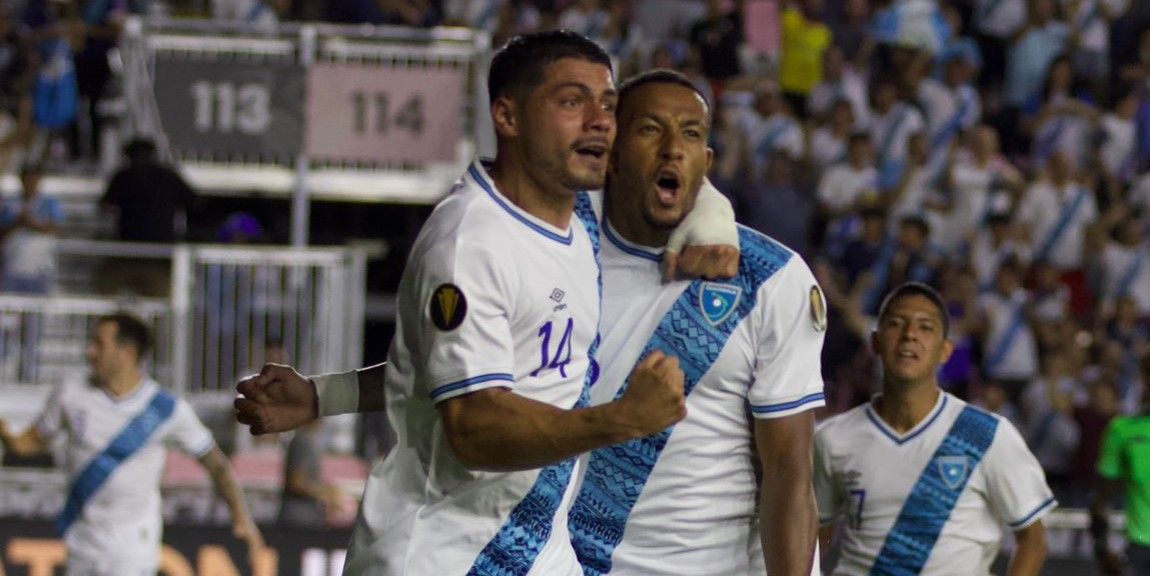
{"x":365,"y":113}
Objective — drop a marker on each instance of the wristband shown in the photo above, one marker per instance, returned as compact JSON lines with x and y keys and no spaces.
{"x":711,"y":222}
{"x":337,"y":393}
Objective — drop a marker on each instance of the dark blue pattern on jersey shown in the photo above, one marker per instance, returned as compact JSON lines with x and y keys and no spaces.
{"x":616,"y":474}
{"x":515,"y":547}
{"x":928,"y":507}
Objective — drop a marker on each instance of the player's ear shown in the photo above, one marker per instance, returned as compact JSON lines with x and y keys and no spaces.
{"x":710,"y":159}
{"x":505,"y":116}
{"x":947,"y":350}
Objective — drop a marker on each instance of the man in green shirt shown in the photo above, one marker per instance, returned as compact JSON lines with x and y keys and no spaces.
{"x":1125,"y":460}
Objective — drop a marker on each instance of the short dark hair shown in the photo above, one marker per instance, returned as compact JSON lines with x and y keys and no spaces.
{"x":917,"y":289}
{"x":915,"y":221}
{"x":521,"y":63}
{"x":657,"y":76}
{"x":140,"y":148}
{"x":130,"y":329}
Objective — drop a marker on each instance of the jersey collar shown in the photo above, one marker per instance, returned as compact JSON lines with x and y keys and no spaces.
{"x":913,"y":433}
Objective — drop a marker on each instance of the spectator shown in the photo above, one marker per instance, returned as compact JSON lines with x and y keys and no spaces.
{"x":843,"y":189}
{"x":1123,"y":260}
{"x":829,"y":141}
{"x":1089,"y":22}
{"x":717,"y":38}
{"x":1009,"y":351}
{"x":992,"y":245}
{"x":1117,"y":157}
{"x":152,"y":202}
{"x":28,"y":228}
{"x":805,"y":40}
{"x":17,"y":73}
{"x":952,"y":105}
{"x":307,"y":498}
{"x":976,"y":179}
{"x":916,"y":195}
{"x":1029,"y":57}
{"x":1054,"y":214}
{"x":893,"y":121}
{"x":152,"y":199}
{"x":1051,"y":431}
{"x":840,"y":82}
{"x":1060,"y":118}
{"x":993,"y":397}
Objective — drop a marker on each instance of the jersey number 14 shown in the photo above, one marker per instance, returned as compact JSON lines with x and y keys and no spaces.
{"x":561,"y":356}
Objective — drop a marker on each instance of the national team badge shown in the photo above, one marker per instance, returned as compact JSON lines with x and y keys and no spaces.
{"x":818,"y":309}
{"x":448,"y":307}
{"x":718,"y":301}
{"x":953,"y":470}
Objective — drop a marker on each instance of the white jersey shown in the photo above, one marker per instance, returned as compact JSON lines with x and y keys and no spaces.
{"x":684,"y":502}
{"x":1058,"y":218}
{"x":1010,"y":351}
{"x":872,"y":475}
{"x":119,"y":520}
{"x":491,"y":297}
{"x":1126,"y":272}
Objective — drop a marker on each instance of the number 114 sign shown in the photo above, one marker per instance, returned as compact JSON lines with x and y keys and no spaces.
{"x":365,"y":113}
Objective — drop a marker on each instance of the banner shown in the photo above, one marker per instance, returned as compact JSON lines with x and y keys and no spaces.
{"x":226,"y":110}
{"x":379,"y":113}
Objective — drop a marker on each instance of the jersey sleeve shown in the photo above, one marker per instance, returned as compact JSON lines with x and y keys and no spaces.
{"x":51,"y":422}
{"x":187,"y":433}
{"x":465,"y":298}
{"x":827,"y":494}
{"x":1110,"y":462}
{"x":1016,"y":483}
{"x":792,"y":320}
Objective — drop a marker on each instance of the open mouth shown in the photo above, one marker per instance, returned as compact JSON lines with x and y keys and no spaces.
{"x":668,"y":185}
{"x":595,"y":150}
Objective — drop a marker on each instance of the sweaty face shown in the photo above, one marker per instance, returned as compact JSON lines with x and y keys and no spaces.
{"x":909,"y":340}
{"x":660,"y":158}
{"x":568,"y":125}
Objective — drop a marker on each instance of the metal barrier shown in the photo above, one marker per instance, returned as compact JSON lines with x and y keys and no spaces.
{"x":224,"y":303}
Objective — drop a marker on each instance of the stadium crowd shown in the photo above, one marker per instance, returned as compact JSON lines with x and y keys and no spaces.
{"x":995,"y":149}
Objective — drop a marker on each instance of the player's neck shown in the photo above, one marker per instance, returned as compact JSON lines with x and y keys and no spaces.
{"x":631,"y":226}
{"x":124,"y":383}
{"x":903,"y":407}
{"x":546,"y":201}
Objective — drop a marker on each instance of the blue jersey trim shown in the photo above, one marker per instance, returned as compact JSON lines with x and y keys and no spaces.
{"x":1025,"y":519}
{"x":514,"y":549}
{"x":900,"y":441}
{"x":616,"y":474}
{"x":130,"y":440}
{"x":908,"y":545}
{"x":565,"y":240}
{"x":630,"y":250}
{"x":809,"y":398}
{"x":447,"y":388}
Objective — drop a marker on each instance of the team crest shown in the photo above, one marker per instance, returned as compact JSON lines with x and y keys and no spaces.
{"x":448,"y":307}
{"x":818,"y":309}
{"x":953,"y":470}
{"x":718,"y":301}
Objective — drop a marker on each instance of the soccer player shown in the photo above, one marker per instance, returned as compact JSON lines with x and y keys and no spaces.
{"x":689,"y":500}
{"x":686,"y":500}
{"x":925,"y":481}
{"x":1124,"y":457}
{"x":117,"y":424}
{"x":488,"y":375}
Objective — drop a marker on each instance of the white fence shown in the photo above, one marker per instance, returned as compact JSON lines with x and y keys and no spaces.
{"x":224,"y":304}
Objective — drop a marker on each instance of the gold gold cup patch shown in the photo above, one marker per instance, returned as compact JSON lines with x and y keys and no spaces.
{"x":448,"y":307}
{"x":818,"y":309}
